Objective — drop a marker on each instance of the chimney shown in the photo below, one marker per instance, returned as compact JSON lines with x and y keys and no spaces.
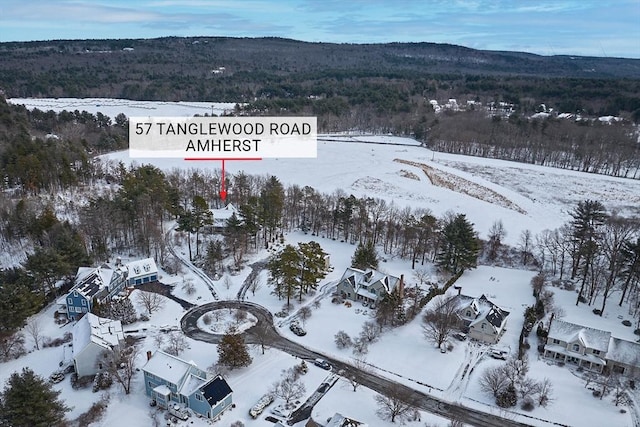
{"x":148,"y":354}
{"x":401,"y":287}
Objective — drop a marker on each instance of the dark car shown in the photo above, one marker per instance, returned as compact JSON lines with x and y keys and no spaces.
{"x":296,"y":329}
{"x":322,"y":364}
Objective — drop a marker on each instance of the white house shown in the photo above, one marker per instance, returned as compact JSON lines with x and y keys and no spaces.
{"x":221,"y":216}
{"x":591,"y":348}
{"x":92,"y":336}
{"x":577,"y":345}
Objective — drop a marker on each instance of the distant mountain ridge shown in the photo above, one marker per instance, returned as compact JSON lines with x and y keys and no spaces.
{"x":286,"y":55}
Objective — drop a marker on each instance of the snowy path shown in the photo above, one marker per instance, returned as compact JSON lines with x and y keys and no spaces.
{"x":185,"y":261}
{"x":474,"y":352}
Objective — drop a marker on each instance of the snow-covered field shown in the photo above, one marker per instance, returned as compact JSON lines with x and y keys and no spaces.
{"x":544,"y":196}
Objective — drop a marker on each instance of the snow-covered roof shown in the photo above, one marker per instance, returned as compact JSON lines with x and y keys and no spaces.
{"x":90,"y":281}
{"x":106,"y":333}
{"x":572,"y":333}
{"x":339,"y":420}
{"x":192,"y":383}
{"x":623,"y":351}
{"x":168,"y":367}
{"x":220,"y":216}
{"x":141,"y":267}
{"x":359,"y":278}
{"x":162,"y":390}
{"x":481,"y":309}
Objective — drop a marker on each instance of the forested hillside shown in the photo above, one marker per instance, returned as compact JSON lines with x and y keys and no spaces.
{"x":381,"y":88}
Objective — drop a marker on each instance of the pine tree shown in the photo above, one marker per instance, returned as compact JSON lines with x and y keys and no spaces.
{"x":29,"y":400}
{"x":233,"y":352}
{"x":365,"y":256}
{"x":312,"y":267}
{"x":459,"y":249}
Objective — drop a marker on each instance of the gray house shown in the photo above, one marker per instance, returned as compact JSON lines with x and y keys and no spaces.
{"x":367,"y":286}
{"x":484,"y":320}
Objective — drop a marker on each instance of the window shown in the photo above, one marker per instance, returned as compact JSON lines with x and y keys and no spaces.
{"x":575,"y":347}
{"x":69,"y":301}
{"x":84,"y":302}
{"x":199,"y":397}
{"x":596,"y":352}
{"x":483,"y":325}
{"x":556,"y":341}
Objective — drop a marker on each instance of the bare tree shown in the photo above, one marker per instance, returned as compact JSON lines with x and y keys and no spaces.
{"x":290,"y":387}
{"x":254,"y":283}
{"x":370,"y":331}
{"x":342,"y":340}
{"x":120,"y":363}
{"x":262,"y":337}
{"x":494,"y":380}
{"x":421,"y":275}
{"x":150,"y":301}
{"x":361,"y":365}
{"x":188,"y":287}
{"x":360,"y":346}
{"x":439,"y":321}
{"x":34,"y":329}
{"x":239,"y":316}
{"x":527,"y":387}
{"x":396,"y":403}
{"x":176,"y":343}
{"x":227,"y":282}
{"x":545,"y":393}
{"x":11,"y":346}
{"x":304,"y":313}
{"x":525,"y":244}
{"x":497,"y":233}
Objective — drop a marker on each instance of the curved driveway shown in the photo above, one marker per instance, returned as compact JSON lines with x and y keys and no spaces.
{"x":264,"y":333}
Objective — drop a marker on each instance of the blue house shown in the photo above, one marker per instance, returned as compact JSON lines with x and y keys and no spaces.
{"x":141,"y":271}
{"x":169,"y":380}
{"x":92,"y":284}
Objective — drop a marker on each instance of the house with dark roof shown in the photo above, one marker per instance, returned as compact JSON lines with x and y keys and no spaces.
{"x":367,"y":286}
{"x":170,"y":380}
{"x":92,"y":284}
{"x":483,"y":320}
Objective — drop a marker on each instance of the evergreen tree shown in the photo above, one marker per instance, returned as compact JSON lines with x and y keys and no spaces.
{"x":459,"y":248}
{"x":271,"y":207}
{"x":588,"y":218}
{"x":365,"y":256}
{"x":312,"y":266}
{"x":285,"y":272}
{"x":28,"y":400}
{"x":233,"y":352}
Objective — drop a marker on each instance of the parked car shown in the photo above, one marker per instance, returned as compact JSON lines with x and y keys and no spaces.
{"x":321,"y":363}
{"x":497,"y":354}
{"x":56,"y":377}
{"x":460,"y":336}
{"x":296,"y":329}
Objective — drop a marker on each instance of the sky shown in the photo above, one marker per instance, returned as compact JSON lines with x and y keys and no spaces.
{"x":545,"y":27}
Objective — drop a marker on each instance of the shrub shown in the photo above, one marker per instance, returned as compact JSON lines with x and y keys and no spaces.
{"x":81,"y":382}
{"x":597,"y":311}
{"x":626,"y":322}
{"x":507,"y":398}
{"x":102,"y":381}
{"x":94,"y":413}
{"x":206,"y":319}
{"x":527,"y":405}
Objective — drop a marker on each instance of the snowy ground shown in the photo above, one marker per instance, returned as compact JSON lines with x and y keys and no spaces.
{"x":545,"y":196}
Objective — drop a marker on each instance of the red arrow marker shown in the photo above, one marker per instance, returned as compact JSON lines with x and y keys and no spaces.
{"x":223,"y":192}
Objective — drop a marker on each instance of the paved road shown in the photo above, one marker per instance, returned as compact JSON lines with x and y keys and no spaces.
{"x":264,"y":333}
